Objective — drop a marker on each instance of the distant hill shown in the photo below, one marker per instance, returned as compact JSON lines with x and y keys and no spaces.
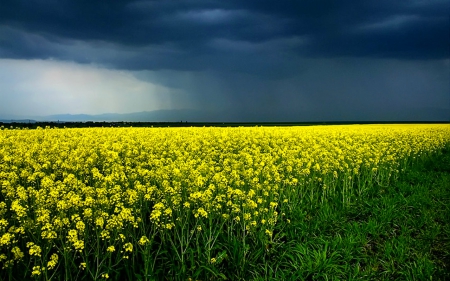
{"x":259,"y":115}
{"x":176,"y":115}
{"x":17,"y":121}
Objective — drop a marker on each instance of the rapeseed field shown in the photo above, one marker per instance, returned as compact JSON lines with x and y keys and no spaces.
{"x":184,"y":203}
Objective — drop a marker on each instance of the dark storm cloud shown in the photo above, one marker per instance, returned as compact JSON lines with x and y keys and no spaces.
{"x":222,"y":35}
{"x":339,"y":89}
{"x":255,"y":59}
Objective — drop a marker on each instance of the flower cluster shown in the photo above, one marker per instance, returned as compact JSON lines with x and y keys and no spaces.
{"x":67,"y":190}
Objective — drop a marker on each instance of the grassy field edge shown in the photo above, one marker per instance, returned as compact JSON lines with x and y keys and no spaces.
{"x":398,"y":232}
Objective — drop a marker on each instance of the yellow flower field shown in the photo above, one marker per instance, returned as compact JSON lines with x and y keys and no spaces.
{"x":95,"y":199}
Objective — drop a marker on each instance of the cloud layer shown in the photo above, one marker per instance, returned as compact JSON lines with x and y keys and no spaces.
{"x":325,"y":59}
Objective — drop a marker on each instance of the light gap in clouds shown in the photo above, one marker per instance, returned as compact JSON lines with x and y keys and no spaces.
{"x":37,"y":87}
{"x":211,"y":16}
{"x":393,"y":22}
{"x":284,"y":43}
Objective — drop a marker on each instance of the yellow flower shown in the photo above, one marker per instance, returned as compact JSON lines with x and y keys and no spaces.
{"x":80,"y":226}
{"x":99,"y":221}
{"x":128,"y":247}
{"x":155,"y":215}
{"x":144,"y":240}
{"x":72,"y":235}
{"x":83,"y":265}
{"x":3,"y":223}
{"x":201,"y":212}
{"x":105,"y":234}
{"x":53,"y":261}
{"x":6,"y":239}
{"x":18,"y":254}
{"x":168,"y":211}
{"x":35,"y":250}
{"x":78,"y":245}
{"x":36,"y":271}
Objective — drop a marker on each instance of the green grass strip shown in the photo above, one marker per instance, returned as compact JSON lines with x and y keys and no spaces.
{"x":399,"y":232}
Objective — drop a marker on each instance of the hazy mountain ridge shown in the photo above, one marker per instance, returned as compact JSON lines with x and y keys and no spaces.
{"x":144,"y":116}
{"x":17,"y":121}
{"x":190,"y":115}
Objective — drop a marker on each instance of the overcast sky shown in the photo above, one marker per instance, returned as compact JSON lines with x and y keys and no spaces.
{"x":256,"y":60}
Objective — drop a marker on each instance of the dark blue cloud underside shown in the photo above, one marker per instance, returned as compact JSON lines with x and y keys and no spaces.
{"x":332,"y":28}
